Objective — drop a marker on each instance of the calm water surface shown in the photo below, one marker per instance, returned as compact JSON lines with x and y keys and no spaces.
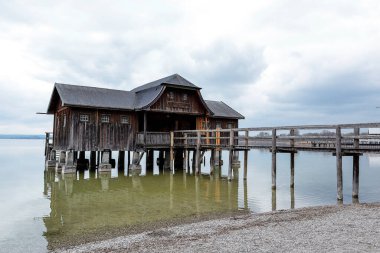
{"x":39,"y":207}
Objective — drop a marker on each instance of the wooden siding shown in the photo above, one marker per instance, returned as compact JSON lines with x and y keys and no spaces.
{"x":211,"y":123}
{"x":223,"y":122}
{"x":93,"y":134}
{"x":62,"y":131}
{"x":172,"y":100}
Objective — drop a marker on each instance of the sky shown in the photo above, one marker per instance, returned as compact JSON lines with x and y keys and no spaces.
{"x":282,"y":62}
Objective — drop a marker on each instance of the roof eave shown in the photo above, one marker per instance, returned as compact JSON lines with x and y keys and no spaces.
{"x":180,"y":86}
{"x":99,"y":108}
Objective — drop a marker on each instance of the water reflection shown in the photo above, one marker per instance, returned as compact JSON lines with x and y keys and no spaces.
{"x":100,"y":201}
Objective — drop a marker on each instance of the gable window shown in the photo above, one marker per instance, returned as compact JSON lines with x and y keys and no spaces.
{"x":84,"y":118}
{"x":171,"y":95}
{"x":124,"y":119}
{"x":105,"y":118}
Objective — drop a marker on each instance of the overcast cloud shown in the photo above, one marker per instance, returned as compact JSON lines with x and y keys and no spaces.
{"x":277,"y":62}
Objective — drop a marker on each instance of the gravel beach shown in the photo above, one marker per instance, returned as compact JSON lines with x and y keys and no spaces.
{"x":340,"y":228}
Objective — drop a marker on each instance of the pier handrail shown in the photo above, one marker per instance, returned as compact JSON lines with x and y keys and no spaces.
{"x":249,"y":137}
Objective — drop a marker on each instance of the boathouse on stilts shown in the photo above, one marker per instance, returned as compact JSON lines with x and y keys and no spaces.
{"x":137,"y":122}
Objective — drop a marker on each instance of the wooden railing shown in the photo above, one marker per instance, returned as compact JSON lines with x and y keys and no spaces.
{"x":295,"y":137}
{"x":306,"y":137}
{"x":153,"y":139}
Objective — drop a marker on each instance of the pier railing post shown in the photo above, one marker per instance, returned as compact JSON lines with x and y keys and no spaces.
{"x":339,"y":173}
{"x":274,"y":140}
{"x":231,"y":144}
{"x":355,"y":166}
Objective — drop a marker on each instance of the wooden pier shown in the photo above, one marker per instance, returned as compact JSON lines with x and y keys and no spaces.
{"x":340,"y":140}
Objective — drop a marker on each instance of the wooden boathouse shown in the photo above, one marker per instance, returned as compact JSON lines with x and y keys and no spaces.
{"x":170,"y":115}
{"x":104,"y":120}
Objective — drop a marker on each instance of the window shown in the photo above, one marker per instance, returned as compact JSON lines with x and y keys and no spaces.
{"x":230,"y":125}
{"x":218,"y":125}
{"x":184,"y":97}
{"x":64,"y":120}
{"x":105,"y":118}
{"x":124,"y":119}
{"x":171,"y":95}
{"x":84,"y":118}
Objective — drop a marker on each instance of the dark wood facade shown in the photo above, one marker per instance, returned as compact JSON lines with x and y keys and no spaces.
{"x":183,"y":101}
{"x":83,"y":130}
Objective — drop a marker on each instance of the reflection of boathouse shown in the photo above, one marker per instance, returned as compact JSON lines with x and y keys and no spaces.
{"x":97,"y":204}
{"x":97,"y":119}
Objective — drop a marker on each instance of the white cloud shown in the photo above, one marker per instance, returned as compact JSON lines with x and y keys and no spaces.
{"x":278,"y":62}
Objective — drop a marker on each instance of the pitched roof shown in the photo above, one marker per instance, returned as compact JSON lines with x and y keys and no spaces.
{"x":146,"y":97}
{"x":221,"y":110}
{"x":138,"y":98}
{"x":74,"y":95}
{"x":173,"y":80}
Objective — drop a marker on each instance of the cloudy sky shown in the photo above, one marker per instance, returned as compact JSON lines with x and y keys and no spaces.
{"x":277,"y":62}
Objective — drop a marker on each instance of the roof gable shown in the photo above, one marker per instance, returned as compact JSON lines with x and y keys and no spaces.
{"x":173,"y":80}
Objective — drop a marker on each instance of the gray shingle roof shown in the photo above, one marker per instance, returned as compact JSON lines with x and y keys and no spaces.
{"x":95,"y":97}
{"x":221,"y":110}
{"x":174,"y":80}
{"x":138,"y":98}
{"x":146,"y":97}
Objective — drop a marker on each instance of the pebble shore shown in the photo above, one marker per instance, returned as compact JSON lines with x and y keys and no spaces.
{"x":340,"y":228}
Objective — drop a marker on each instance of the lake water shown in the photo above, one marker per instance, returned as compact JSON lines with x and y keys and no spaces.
{"x":39,"y":208}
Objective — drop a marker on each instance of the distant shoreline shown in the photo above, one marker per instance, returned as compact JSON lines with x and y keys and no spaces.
{"x":21,"y":136}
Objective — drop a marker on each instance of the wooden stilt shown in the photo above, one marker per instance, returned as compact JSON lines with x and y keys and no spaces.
{"x":172,"y":151}
{"x":355,"y":167}
{"x":339,"y":173}
{"x":274,"y":137}
{"x":274,"y":199}
{"x":92,"y":159}
{"x":355,"y":176}
{"x":245,"y":195}
{"x":246,"y":155}
{"x":98,"y":159}
{"x":188,"y":160}
{"x":121,"y":160}
{"x":292,"y":198}
{"x":75,"y":156}
{"x":231,"y":142}
{"x":105,"y":164}
{"x":212,"y":161}
{"x":245,"y":164}
{"x":149,"y":160}
{"x":292,"y":132}
{"x":129,"y":158}
{"x":292,"y":170}
{"x":185,"y":158}
{"x":185,"y":154}
{"x":193,"y":161}
{"x":197,"y":155}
